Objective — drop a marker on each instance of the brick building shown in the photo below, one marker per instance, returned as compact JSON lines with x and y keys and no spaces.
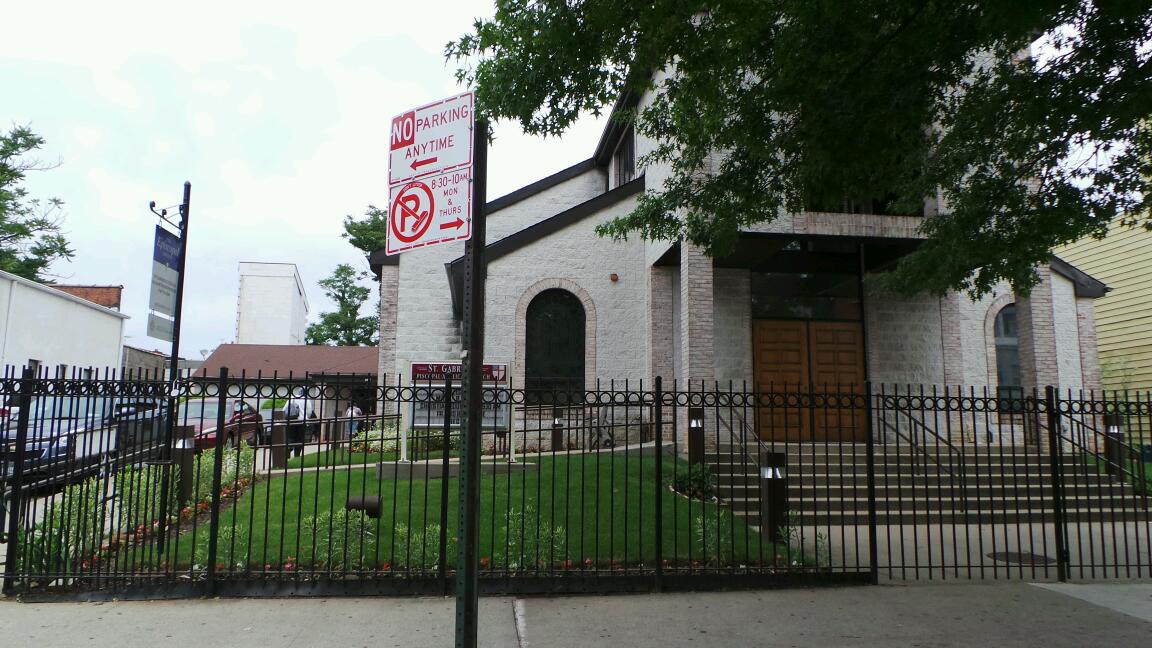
{"x":793,"y":305}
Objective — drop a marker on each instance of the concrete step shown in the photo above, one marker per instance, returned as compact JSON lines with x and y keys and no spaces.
{"x":925,"y":505}
{"x":951,"y":518}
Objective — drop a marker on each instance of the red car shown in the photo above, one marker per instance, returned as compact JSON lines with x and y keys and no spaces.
{"x":242,"y":422}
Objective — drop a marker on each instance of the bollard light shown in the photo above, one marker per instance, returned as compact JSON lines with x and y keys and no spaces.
{"x":557,"y":429}
{"x":695,"y":435}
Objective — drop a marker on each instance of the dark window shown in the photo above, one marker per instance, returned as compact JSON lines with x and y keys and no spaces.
{"x":884,"y":203}
{"x":554,"y":346}
{"x":625,"y":158}
{"x":1009,"y":383}
{"x":779,"y":295}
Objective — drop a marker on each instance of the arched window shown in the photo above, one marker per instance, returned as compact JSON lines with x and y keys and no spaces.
{"x":1009,"y":383}
{"x":554,"y":343}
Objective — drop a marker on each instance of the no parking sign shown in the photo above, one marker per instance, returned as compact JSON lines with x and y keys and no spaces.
{"x":429,"y":175}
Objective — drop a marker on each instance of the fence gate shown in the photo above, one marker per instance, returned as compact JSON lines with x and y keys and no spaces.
{"x":238,"y":485}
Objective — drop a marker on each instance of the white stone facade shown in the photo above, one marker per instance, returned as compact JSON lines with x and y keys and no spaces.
{"x":656,"y":308}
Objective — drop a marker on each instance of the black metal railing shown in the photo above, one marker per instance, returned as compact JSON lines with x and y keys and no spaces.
{"x":270,"y":484}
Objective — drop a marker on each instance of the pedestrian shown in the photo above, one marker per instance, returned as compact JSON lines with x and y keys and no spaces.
{"x":354,"y":415}
{"x":297,"y":411}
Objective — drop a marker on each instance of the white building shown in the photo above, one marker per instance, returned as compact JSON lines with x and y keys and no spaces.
{"x":55,"y":332}
{"x":792,"y":307}
{"x":271,"y":307}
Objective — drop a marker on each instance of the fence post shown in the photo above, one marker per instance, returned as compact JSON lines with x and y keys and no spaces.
{"x":1054,"y":450}
{"x":217,"y":472}
{"x":443,"y":566}
{"x":873,"y":551}
{"x":15,"y":505}
{"x":658,"y":504}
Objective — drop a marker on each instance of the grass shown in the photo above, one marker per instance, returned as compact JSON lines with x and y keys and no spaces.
{"x":571,"y":512}
{"x":342,"y":457}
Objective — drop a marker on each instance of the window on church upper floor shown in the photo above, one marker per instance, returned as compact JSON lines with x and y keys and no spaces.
{"x":624,"y":160}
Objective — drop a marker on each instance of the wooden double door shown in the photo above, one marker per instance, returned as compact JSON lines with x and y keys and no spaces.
{"x":798,"y":366}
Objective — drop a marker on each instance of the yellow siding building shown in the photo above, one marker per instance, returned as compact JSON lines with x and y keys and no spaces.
{"x":1123,"y":261}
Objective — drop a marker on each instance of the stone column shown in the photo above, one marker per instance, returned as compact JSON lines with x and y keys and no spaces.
{"x":389,"y":303}
{"x":659,"y":324}
{"x":1038,"y":360}
{"x":697,"y":363}
{"x":1089,"y":353}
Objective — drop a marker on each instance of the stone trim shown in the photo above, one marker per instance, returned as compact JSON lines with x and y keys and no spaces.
{"x":522,"y":327}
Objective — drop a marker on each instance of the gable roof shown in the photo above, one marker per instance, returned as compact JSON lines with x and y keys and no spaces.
{"x":1085,"y":284}
{"x":297,"y":360}
{"x":537,"y":231}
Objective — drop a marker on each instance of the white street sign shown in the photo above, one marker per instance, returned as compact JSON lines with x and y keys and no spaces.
{"x":431,"y":210}
{"x":431,"y":139}
{"x":430,"y":196}
{"x":160,"y":328}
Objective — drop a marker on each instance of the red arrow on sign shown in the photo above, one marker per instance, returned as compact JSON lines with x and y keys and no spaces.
{"x":452,"y":224}
{"x":419,"y":163}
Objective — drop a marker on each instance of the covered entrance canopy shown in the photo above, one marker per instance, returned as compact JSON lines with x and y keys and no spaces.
{"x":807,"y":326}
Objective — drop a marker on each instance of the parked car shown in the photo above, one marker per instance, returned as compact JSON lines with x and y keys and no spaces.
{"x":71,"y":436}
{"x":242,"y":422}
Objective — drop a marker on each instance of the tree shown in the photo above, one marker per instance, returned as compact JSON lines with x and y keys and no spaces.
{"x":345,"y":326}
{"x":30,"y":237}
{"x":369,"y":233}
{"x":811,"y":101}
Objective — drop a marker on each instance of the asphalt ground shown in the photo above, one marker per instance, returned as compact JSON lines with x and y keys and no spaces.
{"x":958,"y":614}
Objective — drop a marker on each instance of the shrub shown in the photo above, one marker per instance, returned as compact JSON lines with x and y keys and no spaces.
{"x":384,"y":440}
{"x":697,"y":482}
{"x":339,"y":539}
{"x":530,"y":540}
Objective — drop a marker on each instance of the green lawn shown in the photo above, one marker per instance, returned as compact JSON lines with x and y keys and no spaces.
{"x":341,"y":457}
{"x":575,"y":511}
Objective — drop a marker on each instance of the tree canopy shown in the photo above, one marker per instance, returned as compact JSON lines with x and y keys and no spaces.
{"x":30,"y":237}
{"x":369,"y":233}
{"x":1024,"y":121}
{"x":345,"y":326}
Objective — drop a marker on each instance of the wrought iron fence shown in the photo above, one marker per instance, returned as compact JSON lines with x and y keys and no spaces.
{"x":332,"y":484}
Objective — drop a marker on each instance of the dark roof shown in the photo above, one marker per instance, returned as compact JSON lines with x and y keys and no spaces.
{"x":282,"y":360}
{"x":615,"y":128}
{"x":1086,"y":285}
{"x":535,"y":232}
{"x":379,"y":258}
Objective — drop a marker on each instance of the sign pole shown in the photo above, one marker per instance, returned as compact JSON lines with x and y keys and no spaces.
{"x":476,"y":269}
{"x":174,"y":359}
{"x":173,"y":370}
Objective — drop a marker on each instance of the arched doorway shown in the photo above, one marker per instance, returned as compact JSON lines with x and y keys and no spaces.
{"x":554,"y":342}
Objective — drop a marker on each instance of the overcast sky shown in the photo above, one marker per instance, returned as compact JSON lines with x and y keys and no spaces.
{"x":278,"y":115}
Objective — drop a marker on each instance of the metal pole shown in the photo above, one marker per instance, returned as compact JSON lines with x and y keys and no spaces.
{"x":173,"y":371}
{"x":443,"y":562}
{"x":15,"y":504}
{"x":476,"y":267}
{"x":1057,"y":482}
{"x":217,"y":474}
{"x":873,"y":550}
{"x":658,"y":426}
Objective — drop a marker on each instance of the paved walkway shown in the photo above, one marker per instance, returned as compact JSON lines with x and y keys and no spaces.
{"x":1000,"y":614}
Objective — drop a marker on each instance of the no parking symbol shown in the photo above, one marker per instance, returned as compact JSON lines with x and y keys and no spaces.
{"x":412,"y":211}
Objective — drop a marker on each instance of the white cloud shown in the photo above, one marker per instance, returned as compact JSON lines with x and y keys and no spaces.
{"x":278,"y":113}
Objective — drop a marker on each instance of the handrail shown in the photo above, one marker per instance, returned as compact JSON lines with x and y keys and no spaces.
{"x":925,"y":431}
{"x":1138,"y":481}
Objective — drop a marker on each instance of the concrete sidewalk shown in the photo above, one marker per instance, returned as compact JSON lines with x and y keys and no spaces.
{"x":962,"y":614}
